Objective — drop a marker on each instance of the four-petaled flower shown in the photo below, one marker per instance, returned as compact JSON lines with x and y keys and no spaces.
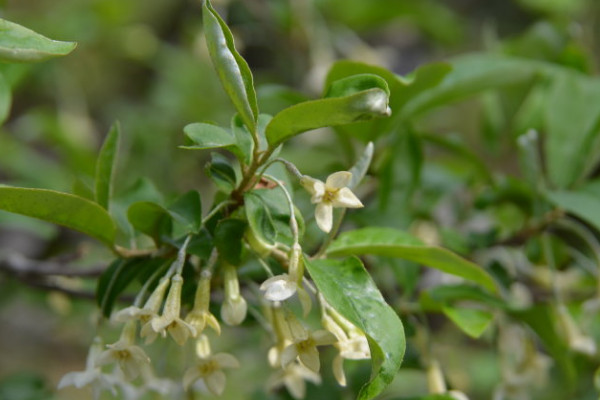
{"x":129,"y":357}
{"x":305,"y":349}
{"x":209,"y":369}
{"x":333,"y":193}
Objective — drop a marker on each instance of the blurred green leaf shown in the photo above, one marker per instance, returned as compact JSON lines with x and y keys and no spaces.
{"x":244,"y":147}
{"x":367,"y":99}
{"x":471,"y":321}
{"x":583,"y":202}
{"x":5,"y":99}
{"x":359,"y":170}
{"x":394,"y":243}
{"x":349,"y":289}
{"x":187,"y":209}
{"x":19,"y":44}
{"x":228,"y":239}
{"x":472,"y":74}
{"x":105,"y":166}
{"x":60,"y":208}
{"x":232,"y":69}
{"x":572,"y":125}
{"x":150,"y":218}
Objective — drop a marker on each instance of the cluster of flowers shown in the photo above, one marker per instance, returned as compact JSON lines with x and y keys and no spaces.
{"x":294,"y":354}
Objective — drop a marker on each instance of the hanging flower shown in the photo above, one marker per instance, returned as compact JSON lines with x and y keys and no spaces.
{"x":129,"y":357}
{"x":149,"y":310}
{"x":305,"y":349}
{"x":293,"y":377}
{"x":234,"y":309}
{"x":332,"y":193}
{"x":200,"y":316}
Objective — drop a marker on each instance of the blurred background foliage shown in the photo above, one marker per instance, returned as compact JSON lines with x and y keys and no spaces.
{"x":145,"y":64}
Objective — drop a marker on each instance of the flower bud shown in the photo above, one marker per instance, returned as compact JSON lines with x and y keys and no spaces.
{"x":234,"y":308}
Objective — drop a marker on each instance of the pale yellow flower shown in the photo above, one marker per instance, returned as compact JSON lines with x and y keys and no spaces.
{"x":170,"y":320}
{"x":304,"y":348}
{"x":293,"y":377}
{"x":129,"y":357}
{"x":234,"y":308}
{"x":200,"y":316}
{"x":149,"y":310}
{"x":209,"y":368}
{"x":333,"y":193}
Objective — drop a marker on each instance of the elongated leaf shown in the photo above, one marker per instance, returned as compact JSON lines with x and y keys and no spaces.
{"x":260,"y":218}
{"x":349,"y":289}
{"x":472,"y":74}
{"x":19,"y":44}
{"x":572,"y":124}
{"x":5,"y":99}
{"x":187,"y":209}
{"x":394,"y":243}
{"x":118,"y":276}
{"x":105,"y":166}
{"x":207,"y":136}
{"x":232,"y":69}
{"x":361,"y":105}
{"x":60,"y":208}
{"x":359,"y":170}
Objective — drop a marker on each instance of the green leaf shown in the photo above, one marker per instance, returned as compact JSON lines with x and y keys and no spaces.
{"x":60,"y":208}
{"x":447,"y":294}
{"x":228,"y":239}
{"x":207,"y":136}
{"x":150,"y":219}
{"x":105,"y":166}
{"x":584,"y":202}
{"x":5,"y":99}
{"x":118,"y":276}
{"x":362,"y":103}
{"x":232,"y":69}
{"x":394,"y":243}
{"x":219,"y":169}
{"x":259,"y":218}
{"x":359,"y":170}
{"x":19,"y":44}
{"x":356,"y":84}
{"x":187,"y":209}
{"x":245,"y":145}
{"x":472,"y":74}
{"x":471,"y":321}
{"x":572,"y":125}
{"x":349,"y":289}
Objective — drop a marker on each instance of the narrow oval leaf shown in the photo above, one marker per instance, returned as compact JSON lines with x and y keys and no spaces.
{"x":232,"y":69}
{"x":5,"y":99}
{"x":348,"y":288}
{"x":360,"y":106}
{"x":394,"y":243}
{"x":19,"y":44}
{"x":228,"y":239}
{"x":60,"y":208}
{"x":207,"y":136}
{"x":355,"y":84}
{"x":259,"y":218}
{"x":105,"y":166}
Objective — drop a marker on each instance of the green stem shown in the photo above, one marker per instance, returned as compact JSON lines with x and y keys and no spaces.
{"x":332,"y":234}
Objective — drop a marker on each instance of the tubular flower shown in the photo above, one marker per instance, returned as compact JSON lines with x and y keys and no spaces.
{"x":234,"y":309}
{"x":170,"y":321}
{"x":149,"y":310}
{"x":282,"y":287}
{"x":129,"y":357}
{"x":332,"y":193}
{"x":200,"y":315}
{"x":209,"y":368}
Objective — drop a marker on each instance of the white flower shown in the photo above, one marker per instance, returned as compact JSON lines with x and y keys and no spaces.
{"x":92,"y":375}
{"x":332,"y":193}
{"x":209,"y":368}
{"x":305,"y":349}
{"x":129,"y":357}
{"x":279,"y":287}
{"x":293,"y":377}
{"x":234,"y":308}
